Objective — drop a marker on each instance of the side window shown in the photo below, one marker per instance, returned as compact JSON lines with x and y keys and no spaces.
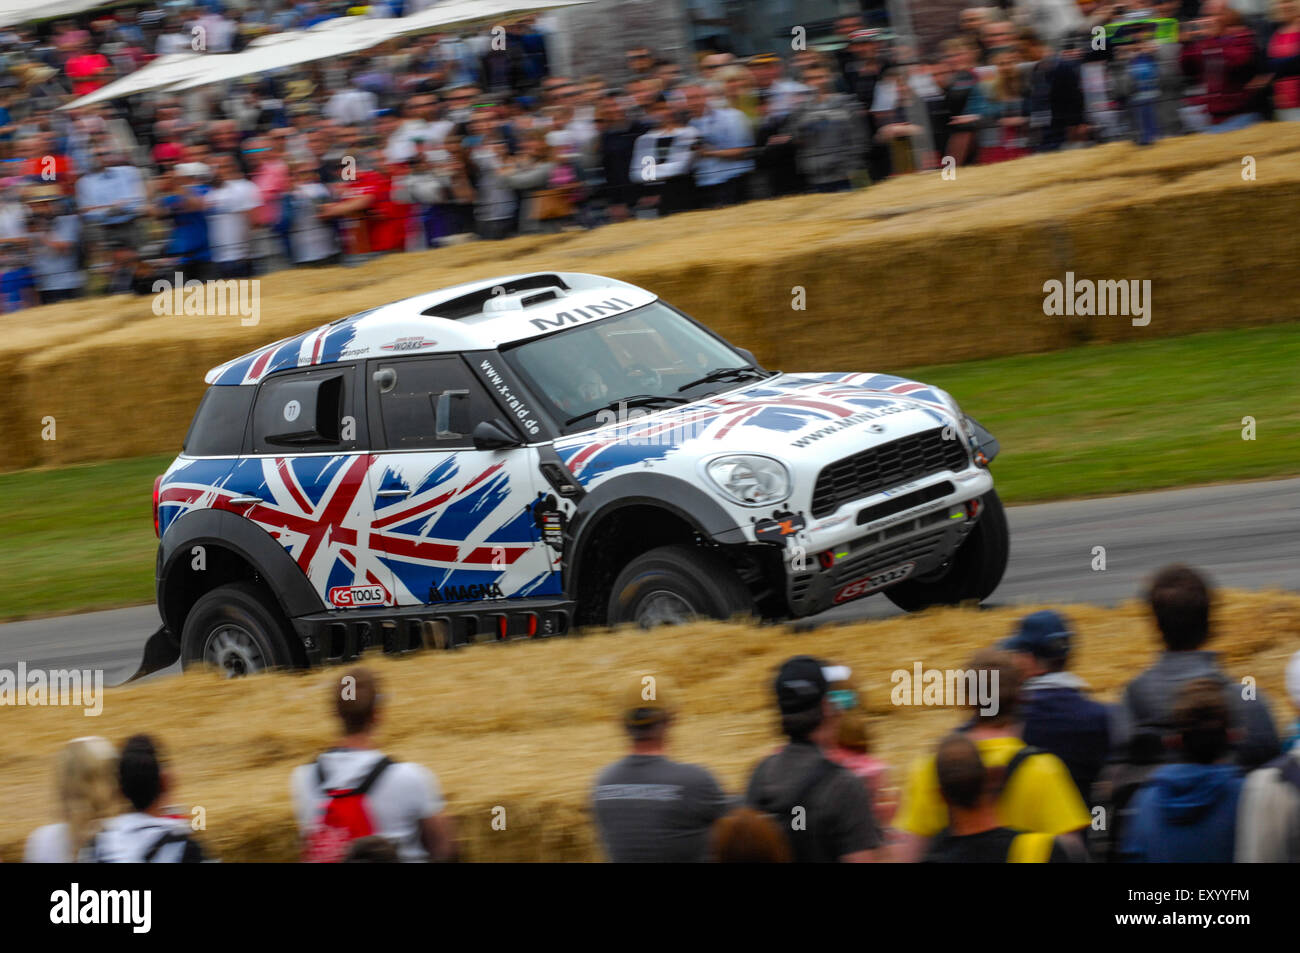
{"x":432,"y":403}
{"x":218,"y":427}
{"x":307,"y":411}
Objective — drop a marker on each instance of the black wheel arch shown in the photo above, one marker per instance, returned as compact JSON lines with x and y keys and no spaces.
{"x":690,"y":512}
{"x":235,"y":548}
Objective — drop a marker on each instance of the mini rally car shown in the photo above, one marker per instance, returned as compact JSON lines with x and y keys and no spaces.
{"x":516,"y":457}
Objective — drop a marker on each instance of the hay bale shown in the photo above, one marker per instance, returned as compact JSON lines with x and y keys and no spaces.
{"x":526,"y":726}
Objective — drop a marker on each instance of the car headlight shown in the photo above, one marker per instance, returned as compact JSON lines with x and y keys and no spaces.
{"x":750,"y":480}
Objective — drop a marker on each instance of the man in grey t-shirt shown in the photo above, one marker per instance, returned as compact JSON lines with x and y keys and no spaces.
{"x":648,"y":808}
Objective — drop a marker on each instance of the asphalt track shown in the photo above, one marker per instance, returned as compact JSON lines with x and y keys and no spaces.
{"x":1246,"y":535}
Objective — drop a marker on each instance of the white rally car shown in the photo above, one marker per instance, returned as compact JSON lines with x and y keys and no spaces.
{"x":514,"y":457}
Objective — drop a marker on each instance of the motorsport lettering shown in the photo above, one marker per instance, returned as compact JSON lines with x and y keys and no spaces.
{"x":470,"y":593}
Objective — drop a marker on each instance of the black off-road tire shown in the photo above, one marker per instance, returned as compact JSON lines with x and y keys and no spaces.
{"x":974,"y":571}
{"x":694,"y":581}
{"x":240,"y":630}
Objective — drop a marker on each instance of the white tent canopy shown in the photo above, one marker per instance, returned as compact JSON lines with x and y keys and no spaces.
{"x":341,"y":36}
{"x":338,"y":37}
{"x":13,"y":12}
{"x":468,"y":12}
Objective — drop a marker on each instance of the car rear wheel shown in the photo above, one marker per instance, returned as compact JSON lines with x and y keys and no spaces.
{"x":238,"y":630}
{"x":973,"y":572}
{"x":675,"y":584}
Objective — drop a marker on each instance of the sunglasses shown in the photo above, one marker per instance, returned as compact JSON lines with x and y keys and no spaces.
{"x":843,"y":698}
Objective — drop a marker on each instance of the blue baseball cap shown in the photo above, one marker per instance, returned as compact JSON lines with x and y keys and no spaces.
{"x":1044,"y":634}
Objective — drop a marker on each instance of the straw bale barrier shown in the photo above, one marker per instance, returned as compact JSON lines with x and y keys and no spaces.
{"x":526,"y":726}
{"x":915,"y":270}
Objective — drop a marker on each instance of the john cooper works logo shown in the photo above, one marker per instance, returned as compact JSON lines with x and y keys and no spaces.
{"x":240,"y":298}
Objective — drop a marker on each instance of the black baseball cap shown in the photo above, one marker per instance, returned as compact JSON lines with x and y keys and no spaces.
{"x":800,"y":684}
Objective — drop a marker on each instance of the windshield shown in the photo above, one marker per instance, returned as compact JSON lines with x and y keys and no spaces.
{"x":652,"y":357}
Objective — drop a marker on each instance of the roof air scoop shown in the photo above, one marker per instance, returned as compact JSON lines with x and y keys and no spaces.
{"x":520,"y":300}
{"x":511,"y":294}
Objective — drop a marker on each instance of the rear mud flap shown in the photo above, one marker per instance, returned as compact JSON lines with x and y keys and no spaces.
{"x":160,"y":651}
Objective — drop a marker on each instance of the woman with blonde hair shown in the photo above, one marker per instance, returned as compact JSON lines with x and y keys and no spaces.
{"x":88,"y":793}
{"x":738,"y":88}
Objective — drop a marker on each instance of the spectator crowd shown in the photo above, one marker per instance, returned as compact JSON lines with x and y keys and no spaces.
{"x":1186,"y":767}
{"x":436,"y":139}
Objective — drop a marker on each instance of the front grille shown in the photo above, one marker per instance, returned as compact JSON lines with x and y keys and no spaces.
{"x":889,"y":464}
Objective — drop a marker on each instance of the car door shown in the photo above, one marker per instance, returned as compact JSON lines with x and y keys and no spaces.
{"x":305,"y":479}
{"x":454,"y":524}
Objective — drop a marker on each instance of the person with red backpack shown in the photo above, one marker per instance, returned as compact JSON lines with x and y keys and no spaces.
{"x":353,"y":791}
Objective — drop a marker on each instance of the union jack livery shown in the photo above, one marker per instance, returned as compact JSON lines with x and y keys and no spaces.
{"x":514,"y":457}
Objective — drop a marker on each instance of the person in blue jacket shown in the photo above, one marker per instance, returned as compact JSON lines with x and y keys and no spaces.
{"x":1186,"y":812}
{"x":1058,"y":714}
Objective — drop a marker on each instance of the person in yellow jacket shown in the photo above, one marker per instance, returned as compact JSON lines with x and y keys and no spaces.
{"x":1029,"y":790}
{"x":975,"y":833}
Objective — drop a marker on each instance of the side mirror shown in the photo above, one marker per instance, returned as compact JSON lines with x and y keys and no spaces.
{"x":492,"y":435}
{"x":748,"y":355}
{"x":985,"y":441}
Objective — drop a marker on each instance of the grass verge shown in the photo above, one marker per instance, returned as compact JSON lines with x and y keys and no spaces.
{"x":77,"y":538}
{"x":1123,"y":418}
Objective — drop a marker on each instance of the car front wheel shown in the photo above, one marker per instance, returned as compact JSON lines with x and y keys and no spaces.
{"x":675,"y":584}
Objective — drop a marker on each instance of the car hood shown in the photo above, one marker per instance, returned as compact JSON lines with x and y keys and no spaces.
{"x":798,"y":418}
